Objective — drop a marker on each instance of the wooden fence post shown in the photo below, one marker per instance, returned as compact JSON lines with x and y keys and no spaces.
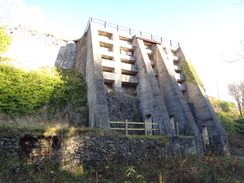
{"x":126,"y":127}
{"x":145,"y":127}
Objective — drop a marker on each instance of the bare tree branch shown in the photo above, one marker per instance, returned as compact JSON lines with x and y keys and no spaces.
{"x":240,"y":56}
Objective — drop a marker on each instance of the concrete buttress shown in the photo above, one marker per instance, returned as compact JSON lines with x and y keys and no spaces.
{"x":98,"y":110}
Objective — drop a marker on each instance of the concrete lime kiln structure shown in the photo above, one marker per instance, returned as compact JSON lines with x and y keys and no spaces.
{"x":136,"y":76}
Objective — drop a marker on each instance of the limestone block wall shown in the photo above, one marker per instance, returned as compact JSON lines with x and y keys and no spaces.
{"x":86,"y":148}
{"x":32,"y":49}
{"x":123,"y":107}
{"x":81,"y":55}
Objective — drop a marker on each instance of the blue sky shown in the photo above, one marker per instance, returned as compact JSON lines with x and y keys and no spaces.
{"x":153,"y":16}
{"x":206,"y":29}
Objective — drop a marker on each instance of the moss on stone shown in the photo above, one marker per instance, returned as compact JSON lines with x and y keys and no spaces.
{"x":162,"y":138}
{"x":191,"y":74}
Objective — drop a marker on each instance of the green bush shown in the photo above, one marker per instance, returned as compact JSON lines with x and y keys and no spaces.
{"x":72,"y":90}
{"x":240,"y":125}
{"x":227,"y":120}
{"x":24,"y":92}
{"x":225,"y":106}
{"x":4,"y":40}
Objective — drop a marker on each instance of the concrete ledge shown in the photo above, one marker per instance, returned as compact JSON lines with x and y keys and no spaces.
{"x":179,"y":77}
{"x":126,"y":45}
{"x":129,"y":67}
{"x":182,"y":86}
{"x":125,"y":57}
{"x":124,"y":78}
{"x":105,"y":40}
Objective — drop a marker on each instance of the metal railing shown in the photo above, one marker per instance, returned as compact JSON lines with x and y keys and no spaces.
{"x":122,"y":29}
{"x":127,"y":128}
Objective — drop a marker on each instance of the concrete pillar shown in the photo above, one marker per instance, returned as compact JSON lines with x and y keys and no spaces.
{"x":174,"y":99}
{"x":151,"y":102}
{"x":97,"y":103}
{"x":205,"y":115}
{"x":117,"y":82}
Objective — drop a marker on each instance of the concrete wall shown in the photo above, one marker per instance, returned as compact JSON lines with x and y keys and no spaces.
{"x":205,"y":115}
{"x":98,"y":110}
{"x":151,"y":102}
{"x":174,"y":99}
{"x":163,"y":95}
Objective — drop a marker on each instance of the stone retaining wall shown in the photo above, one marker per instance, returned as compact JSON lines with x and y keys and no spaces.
{"x":93,"y":148}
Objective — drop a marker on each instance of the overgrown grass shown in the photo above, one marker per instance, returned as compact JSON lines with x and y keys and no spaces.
{"x":14,"y":170}
{"x":173,"y":169}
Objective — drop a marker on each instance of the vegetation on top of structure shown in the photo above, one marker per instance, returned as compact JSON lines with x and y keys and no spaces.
{"x":191,"y":74}
{"x":24,"y":92}
{"x":5,"y":40}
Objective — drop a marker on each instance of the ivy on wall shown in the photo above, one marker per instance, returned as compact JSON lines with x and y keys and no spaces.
{"x":191,"y":74}
{"x":23,"y":92}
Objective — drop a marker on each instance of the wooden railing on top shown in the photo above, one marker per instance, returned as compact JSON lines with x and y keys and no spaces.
{"x":127,"y":128}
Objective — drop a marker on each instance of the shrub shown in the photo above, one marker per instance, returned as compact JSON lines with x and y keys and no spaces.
{"x":72,"y":90}
{"x":227,"y":120}
{"x":23,"y":92}
{"x":4,"y":40}
{"x":240,"y":125}
{"x":225,"y":106}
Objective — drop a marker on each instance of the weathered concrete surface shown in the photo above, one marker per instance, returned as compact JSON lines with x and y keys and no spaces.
{"x":174,"y":99}
{"x":204,"y":114}
{"x":151,"y":102}
{"x":206,"y":117}
{"x":31,"y":49}
{"x":98,"y":110}
{"x":112,"y":63}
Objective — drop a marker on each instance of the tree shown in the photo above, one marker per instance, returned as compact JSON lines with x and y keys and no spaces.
{"x":5,"y":41}
{"x":237,"y":92}
{"x":241,"y":88}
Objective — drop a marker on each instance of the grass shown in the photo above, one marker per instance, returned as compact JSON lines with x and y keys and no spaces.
{"x":173,"y":169}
